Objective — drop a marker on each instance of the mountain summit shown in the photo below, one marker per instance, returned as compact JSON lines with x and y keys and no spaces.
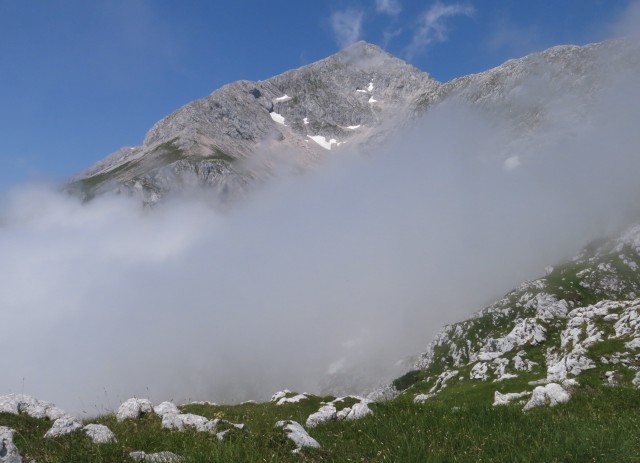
{"x":347,"y":98}
{"x":226,"y":140}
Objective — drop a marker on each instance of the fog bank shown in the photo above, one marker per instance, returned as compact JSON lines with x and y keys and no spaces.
{"x":324,"y":280}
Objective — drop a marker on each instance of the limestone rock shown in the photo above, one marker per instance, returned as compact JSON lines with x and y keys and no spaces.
{"x":505,"y":399}
{"x":63,"y":426}
{"x":550,"y":395}
{"x":183,"y":421}
{"x":159,"y":457}
{"x":325,"y":414}
{"x":134,"y":408}
{"x":297,"y":434}
{"x":22,"y":403}
{"x":8,"y":451}
{"x":166,"y":407}
{"x":99,"y":433}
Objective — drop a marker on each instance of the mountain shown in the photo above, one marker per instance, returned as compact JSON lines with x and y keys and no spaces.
{"x":232,"y":138}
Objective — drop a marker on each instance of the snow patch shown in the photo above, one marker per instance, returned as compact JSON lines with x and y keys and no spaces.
{"x":322,"y":141}
{"x":283,"y":98}
{"x":277,"y":118}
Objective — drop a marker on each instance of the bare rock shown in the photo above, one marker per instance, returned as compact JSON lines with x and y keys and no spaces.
{"x":325,"y":414}
{"x":63,"y":426}
{"x":166,"y":407}
{"x":99,"y":433}
{"x":8,"y":451}
{"x":550,"y":395}
{"x":160,"y":457}
{"x":297,"y":434}
{"x":134,"y":409}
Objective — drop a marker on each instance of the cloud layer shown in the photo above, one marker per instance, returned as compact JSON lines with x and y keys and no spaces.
{"x":320,"y":282}
{"x":347,"y":26}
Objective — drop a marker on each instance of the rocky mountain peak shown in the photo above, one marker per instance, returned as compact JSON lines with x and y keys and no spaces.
{"x":345,"y":101}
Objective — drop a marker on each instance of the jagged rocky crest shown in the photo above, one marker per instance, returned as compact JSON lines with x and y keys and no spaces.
{"x":231,"y":139}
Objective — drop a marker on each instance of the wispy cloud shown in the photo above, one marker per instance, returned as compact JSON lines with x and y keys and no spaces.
{"x":629,"y":22}
{"x":515,"y":39}
{"x":347,"y":26}
{"x":390,"y":7}
{"x":431,"y":25}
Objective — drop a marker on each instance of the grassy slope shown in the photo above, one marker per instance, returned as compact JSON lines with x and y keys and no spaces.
{"x":599,"y":423}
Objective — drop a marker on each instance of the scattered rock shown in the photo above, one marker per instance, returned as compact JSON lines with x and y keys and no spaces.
{"x":420,"y":398}
{"x":166,"y":407}
{"x":160,"y":457}
{"x":292,"y":400}
{"x":134,"y":409}
{"x":8,"y":451}
{"x":22,"y":403}
{"x":297,"y":434}
{"x":279,"y":395}
{"x":358,"y":411}
{"x":384,"y":393}
{"x":326,"y":414}
{"x":550,"y":395}
{"x":99,"y":433}
{"x":182,"y":421}
{"x":64,"y":425}
{"x":506,"y":399}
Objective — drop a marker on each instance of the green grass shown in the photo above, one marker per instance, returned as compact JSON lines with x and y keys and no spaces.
{"x":162,"y":155}
{"x":599,"y":423}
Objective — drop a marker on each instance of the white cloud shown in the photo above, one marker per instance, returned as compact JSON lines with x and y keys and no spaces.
{"x":346,"y":268}
{"x":629,"y":24}
{"x":347,"y":26}
{"x":431,"y":27}
{"x":390,"y":7}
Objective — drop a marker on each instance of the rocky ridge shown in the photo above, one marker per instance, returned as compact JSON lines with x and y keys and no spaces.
{"x":582,"y":318}
{"x":232,"y":138}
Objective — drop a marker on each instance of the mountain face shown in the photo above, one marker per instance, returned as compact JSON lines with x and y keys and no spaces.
{"x":232,"y":138}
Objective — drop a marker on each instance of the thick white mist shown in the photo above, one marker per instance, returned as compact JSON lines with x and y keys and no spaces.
{"x":320,"y":281}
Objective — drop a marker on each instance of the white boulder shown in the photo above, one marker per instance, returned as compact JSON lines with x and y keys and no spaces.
{"x":358,"y":411}
{"x":326,"y":414}
{"x":64,"y":425}
{"x":8,"y":451}
{"x":166,"y":407}
{"x":133,"y":409}
{"x":22,"y":403}
{"x":506,"y":399}
{"x":99,"y":433}
{"x":550,"y":395}
{"x":292,"y":400}
{"x":297,"y":434}
{"x":182,"y":421}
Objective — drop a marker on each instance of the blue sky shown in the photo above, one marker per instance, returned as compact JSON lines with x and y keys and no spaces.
{"x":79,"y":79}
